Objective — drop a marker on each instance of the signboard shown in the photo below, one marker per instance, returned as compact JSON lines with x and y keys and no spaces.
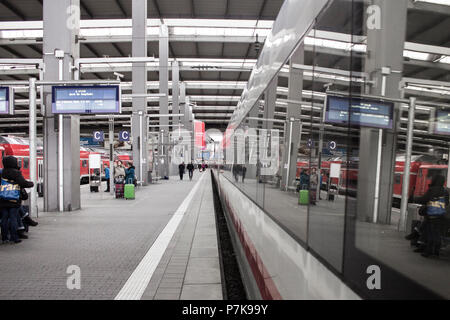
{"x":86,"y":99}
{"x":88,"y":142}
{"x":95,"y":161}
{"x":124,"y":136}
{"x":98,"y":136}
{"x":442,"y":122}
{"x":335,"y":170}
{"x":363,"y":112}
{"x":332,"y":145}
{"x":199,"y":130}
{"x":310,"y":143}
{"x":6,"y":105}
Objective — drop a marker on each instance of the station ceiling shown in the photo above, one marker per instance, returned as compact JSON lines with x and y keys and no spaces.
{"x":428,"y":24}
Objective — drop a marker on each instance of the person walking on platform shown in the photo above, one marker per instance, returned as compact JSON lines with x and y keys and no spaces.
{"x":181,"y":169}
{"x":243,"y":172}
{"x":12,"y":182}
{"x":190,"y":168}
{"x":129,"y":174}
{"x":107,"y":177}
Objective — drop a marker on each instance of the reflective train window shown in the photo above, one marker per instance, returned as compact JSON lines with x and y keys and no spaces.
{"x":348,"y":148}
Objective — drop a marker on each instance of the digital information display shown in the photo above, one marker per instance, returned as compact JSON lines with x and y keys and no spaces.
{"x":5,"y":103}
{"x":364,"y":112}
{"x":442,"y":122}
{"x":86,"y":99}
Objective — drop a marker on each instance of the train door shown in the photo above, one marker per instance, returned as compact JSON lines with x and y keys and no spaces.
{"x":40,"y":170}
{"x":40,"y":177}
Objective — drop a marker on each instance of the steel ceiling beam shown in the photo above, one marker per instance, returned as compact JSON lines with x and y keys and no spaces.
{"x":86,"y":9}
{"x":122,"y":9}
{"x":13,"y":9}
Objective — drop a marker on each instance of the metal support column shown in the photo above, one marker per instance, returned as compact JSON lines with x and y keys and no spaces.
{"x":33,"y":161}
{"x":111,"y":154}
{"x":270,"y":97}
{"x":164,"y":89}
{"x":407,"y":167}
{"x":61,"y":27}
{"x":292,"y":133}
{"x":175,"y":91}
{"x":139,"y":102}
{"x":376,"y":173}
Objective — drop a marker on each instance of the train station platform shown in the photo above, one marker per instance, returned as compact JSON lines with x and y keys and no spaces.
{"x":162,"y":245}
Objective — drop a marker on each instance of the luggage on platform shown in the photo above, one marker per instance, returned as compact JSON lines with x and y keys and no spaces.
{"x":119,"y":190}
{"x":129,"y":191}
{"x":303,"y":198}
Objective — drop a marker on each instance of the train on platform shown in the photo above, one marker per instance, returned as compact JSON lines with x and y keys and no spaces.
{"x":422,"y":170}
{"x":19,"y":148}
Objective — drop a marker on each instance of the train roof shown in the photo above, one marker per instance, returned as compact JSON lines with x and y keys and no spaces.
{"x":19,"y":141}
{"x":434,"y":166}
{"x":419,"y":158}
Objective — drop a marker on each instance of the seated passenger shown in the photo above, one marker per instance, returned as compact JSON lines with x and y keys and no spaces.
{"x":435,"y":201}
{"x":10,"y":208}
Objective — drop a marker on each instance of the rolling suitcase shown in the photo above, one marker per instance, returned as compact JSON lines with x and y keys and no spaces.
{"x":303,"y":197}
{"x":129,"y":191}
{"x":119,"y":190}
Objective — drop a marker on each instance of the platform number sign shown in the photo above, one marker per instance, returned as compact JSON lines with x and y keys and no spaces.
{"x":332,"y":145}
{"x":124,"y":136}
{"x":99,"y":136}
{"x":310,"y":143}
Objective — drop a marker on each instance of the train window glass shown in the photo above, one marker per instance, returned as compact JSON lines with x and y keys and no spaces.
{"x":435,"y":172}
{"x":19,"y":162}
{"x":241,"y":154}
{"x":339,"y":202}
{"x":84,"y":163}
{"x":26,"y":163}
{"x":375,"y":229}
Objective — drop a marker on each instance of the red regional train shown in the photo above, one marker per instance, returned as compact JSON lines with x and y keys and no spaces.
{"x":423,"y":168}
{"x":19,"y":148}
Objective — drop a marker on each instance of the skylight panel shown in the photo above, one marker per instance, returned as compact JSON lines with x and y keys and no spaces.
{"x":441,"y":2}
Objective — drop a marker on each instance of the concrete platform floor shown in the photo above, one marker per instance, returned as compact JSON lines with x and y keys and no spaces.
{"x":107,"y":240}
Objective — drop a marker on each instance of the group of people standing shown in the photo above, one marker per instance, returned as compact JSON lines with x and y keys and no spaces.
{"x":239,"y":170}
{"x":310,"y":182}
{"x":122,"y":174}
{"x":15,"y":218}
{"x":190,"y":167}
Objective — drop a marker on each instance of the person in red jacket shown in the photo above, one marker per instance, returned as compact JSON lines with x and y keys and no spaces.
{"x":10,"y":208}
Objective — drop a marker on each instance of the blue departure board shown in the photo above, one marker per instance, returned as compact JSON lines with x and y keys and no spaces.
{"x":86,"y":99}
{"x":5,"y":103}
{"x":363,"y":112}
{"x":442,"y":123}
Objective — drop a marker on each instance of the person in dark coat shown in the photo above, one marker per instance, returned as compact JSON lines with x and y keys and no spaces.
{"x":436,"y":200}
{"x":181,"y":169}
{"x":10,"y":208}
{"x":190,"y":168}
{"x":130,"y":174}
{"x":243,"y":172}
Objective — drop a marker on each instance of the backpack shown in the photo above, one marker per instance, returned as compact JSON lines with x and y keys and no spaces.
{"x":9,"y":190}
